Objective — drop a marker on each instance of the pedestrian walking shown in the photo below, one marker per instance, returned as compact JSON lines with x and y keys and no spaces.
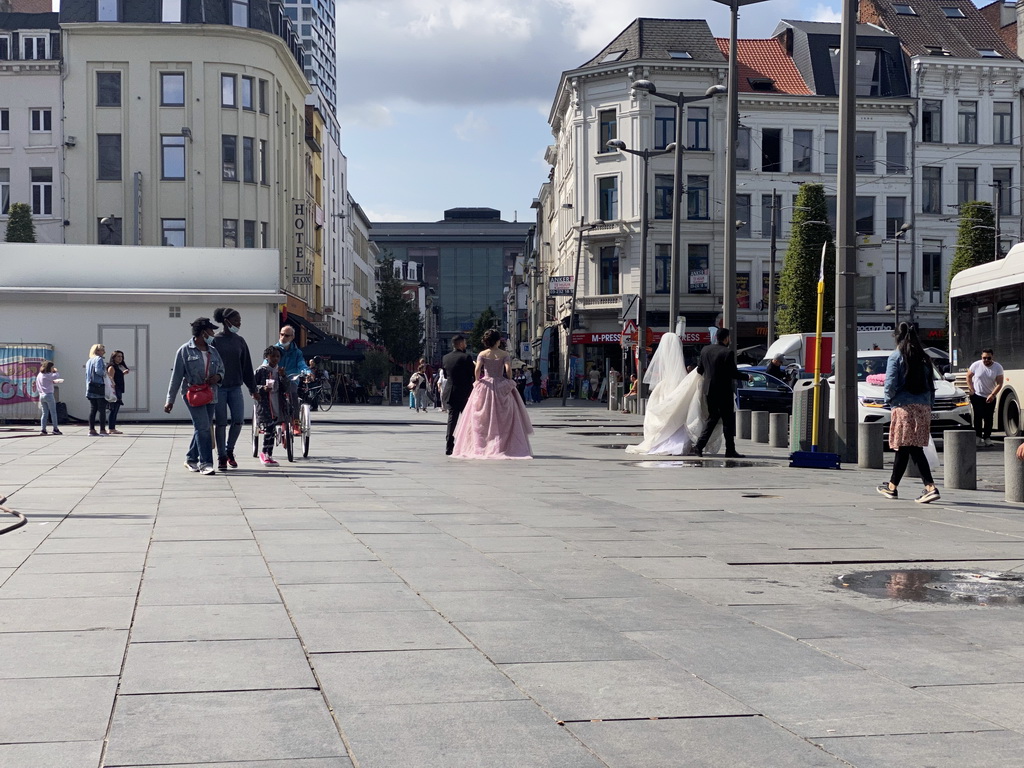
{"x":458,"y":370}
{"x":910,"y":393}
{"x":197,"y":372}
{"x":95,"y":390}
{"x":45,"y":379}
{"x":418,"y":387}
{"x":116,"y":370}
{"x":984,"y":380}
{"x":718,"y":368}
{"x":238,"y":373}
{"x":595,"y":382}
{"x":443,"y":390}
{"x":535,"y":377}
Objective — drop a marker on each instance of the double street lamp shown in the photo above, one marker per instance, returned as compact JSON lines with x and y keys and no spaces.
{"x":583,"y":227}
{"x":898,"y":238}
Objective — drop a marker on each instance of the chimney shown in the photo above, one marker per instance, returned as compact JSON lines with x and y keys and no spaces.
{"x":31,"y":6}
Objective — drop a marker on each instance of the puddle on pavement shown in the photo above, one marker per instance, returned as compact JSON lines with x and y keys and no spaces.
{"x":608,"y":434}
{"x":947,"y":586}
{"x":710,"y":462}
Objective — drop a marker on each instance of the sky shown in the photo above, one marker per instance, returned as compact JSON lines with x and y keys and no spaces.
{"x":444,"y":103}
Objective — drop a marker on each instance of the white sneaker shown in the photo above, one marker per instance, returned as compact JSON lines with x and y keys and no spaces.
{"x":979,"y":443}
{"x":989,"y":443}
{"x":207,"y":469}
{"x":192,"y":466}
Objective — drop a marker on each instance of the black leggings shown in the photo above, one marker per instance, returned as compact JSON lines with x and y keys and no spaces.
{"x":97,"y":410}
{"x":903,"y":457}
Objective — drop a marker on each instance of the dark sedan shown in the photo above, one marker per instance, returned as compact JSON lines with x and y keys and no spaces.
{"x":764,"y":393}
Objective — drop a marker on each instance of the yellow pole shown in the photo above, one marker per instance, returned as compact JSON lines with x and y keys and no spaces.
{"x":817,"y":350}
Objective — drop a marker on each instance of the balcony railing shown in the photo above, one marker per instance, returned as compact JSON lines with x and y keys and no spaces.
{"x":604,"y":301}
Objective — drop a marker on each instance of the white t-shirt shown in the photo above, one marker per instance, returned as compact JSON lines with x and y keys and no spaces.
{"x":985,"y":377}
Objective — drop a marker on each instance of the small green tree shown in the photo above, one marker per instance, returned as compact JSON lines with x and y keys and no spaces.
{"x":975,"y":239}
{"x":798,"y":285}
{"x":488,"y":319}
{"x":374,"y":368}
{"x":20,"y":228}
{"x":396,"y":325}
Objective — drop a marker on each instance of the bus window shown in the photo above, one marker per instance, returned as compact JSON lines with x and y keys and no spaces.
{"x":1009,"y":338}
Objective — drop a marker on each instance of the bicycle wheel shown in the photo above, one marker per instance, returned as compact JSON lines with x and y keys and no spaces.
{"x":327,"y":396}
{"x":305,"y":422}
{"x":289,"y":441}
{"x":255,"y":435}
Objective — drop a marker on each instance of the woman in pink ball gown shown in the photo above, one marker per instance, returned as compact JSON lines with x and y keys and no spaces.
{"x":494,"y":423}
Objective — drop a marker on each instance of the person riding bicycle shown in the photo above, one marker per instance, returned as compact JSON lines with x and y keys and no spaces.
{"x":294,"y":364}
{"x":319,"y":381}
{"x":271,"y":401}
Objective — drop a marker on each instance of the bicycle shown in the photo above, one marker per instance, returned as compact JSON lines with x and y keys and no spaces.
{"x":324,"y":393}
{"x":282,"y":436}
{"x":308,"y":393}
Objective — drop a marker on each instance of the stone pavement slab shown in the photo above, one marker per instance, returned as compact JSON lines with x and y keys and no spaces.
{"x":55,"y":709}
{"x":67,"y":754}
{"x":929,"y":750}
{"x":376,"y":631}
{"x":96,"y":653}
{"x":169,"y":623}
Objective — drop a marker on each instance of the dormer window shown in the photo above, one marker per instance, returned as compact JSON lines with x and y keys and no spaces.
{"x":613,"y":56}
{"x":988,"y":53}
{"x":679,"y":55}
{"x":762,"y":84}
{"x":5,"y":47}
{"x":34,"y":46}
{"x":952,"y":12}
{"x":904,"y":10}
{"x":936,"y":50}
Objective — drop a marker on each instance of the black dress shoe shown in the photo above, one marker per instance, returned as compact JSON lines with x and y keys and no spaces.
{"x":448,"y":452}
{"x":734,"y":455}
{"x":698,"y":452}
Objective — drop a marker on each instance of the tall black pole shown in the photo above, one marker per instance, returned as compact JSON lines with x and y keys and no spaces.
{"x":677,"y":195}
{"x":641,"y":323}
{"x":771,"y":271}
{"x":896,"y":283}
{"x":572,"y":312}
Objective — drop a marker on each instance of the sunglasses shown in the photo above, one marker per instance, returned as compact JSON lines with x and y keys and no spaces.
{"x":986,"y":358}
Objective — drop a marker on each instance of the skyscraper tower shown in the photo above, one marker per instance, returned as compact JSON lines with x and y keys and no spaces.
{"x":315,"y":22}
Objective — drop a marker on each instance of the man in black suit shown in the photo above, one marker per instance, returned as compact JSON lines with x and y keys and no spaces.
{"x":459,"y":368}
{"x":718,"y":367}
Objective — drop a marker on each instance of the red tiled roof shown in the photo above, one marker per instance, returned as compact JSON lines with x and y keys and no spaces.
{"x":992,"y":13}
{"x":766,"y":59}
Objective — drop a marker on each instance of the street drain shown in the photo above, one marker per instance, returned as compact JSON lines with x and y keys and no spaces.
{"x":950,"y":586}
{"x":712,"y":463}
{"x":759,"y":496}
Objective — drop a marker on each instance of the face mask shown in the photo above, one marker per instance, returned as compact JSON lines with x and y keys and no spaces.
{"x":209,"y":338}
{"x":286,"y":344}
{"x":233,"y":329}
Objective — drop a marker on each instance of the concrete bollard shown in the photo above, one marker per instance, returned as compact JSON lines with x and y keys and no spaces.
{"x":759,"y":426}
{"x":778,"y":430}
{"x":1013,"y":470}
{"x":743,"y":424}
{"x":870,"y":446}
{"x":959,"y":459}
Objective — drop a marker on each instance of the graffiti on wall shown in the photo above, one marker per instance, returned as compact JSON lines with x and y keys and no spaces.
{"x":19,"y":364}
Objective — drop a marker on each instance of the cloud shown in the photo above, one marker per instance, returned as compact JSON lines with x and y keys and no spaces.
{"x":473,"y":127}
{"x":826,"y":13}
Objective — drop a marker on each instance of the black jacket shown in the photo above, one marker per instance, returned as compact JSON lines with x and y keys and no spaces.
{"x":718,"y":367}
{"x":234,"y":352}
{"x":459,"y":368}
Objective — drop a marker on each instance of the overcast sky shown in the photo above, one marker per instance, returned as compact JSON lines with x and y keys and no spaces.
{"x":444,"y":103}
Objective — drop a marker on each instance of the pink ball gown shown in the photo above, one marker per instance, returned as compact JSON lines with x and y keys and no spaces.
{"x":494,"y":424}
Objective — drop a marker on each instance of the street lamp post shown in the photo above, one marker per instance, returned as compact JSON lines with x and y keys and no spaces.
{"x":583,"y":227}
{"x":641,"y":325}
{"x":677,"y":185}
{"x":900,"y":234}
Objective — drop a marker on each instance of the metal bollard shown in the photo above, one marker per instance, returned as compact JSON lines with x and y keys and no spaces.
{"x":960,"y":459}
{"x":759,"y":426}
{"x":870,"y":446}
{"x":778,"y":430}
{"x":743,"y":424}
{"x":1013,"y":469}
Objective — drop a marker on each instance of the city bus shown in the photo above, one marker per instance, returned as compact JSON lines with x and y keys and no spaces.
{"x":985,"y":312}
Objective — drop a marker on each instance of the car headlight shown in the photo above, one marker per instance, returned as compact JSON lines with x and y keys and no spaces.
{"x":962,"y":403}
{"x":872,"y":402}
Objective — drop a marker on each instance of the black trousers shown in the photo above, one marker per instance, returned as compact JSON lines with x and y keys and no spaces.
{"x":97,"y":414}
{"x":720,"y":409}
{"x":903,"y":457}
{"x":984,"y":413}
{"x":454,"y":411}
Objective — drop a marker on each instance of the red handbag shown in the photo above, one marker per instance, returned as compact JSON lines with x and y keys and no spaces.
{"x":200,"y":394}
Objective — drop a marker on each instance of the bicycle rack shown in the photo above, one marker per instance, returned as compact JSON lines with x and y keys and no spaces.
{"x":22,"y":520}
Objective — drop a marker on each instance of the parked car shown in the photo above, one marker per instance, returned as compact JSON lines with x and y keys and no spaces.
{"x":764,"y":393}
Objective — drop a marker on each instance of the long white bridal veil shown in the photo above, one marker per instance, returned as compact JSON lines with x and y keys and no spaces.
{"x":668,"y":363}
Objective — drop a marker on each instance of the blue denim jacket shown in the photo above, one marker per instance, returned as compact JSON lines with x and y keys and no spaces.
{"x":190,"y":368}
{"x":895,"y":379}
{"x":95,"y":370}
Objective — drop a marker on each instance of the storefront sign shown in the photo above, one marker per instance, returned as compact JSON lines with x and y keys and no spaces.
{"x":299,"y":273}
{"x":560,"y":286}
{"x":743,"y":290}
{"x":615,"y":337}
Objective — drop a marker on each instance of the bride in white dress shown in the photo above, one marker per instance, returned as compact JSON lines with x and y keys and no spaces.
{"x":676,"y":411}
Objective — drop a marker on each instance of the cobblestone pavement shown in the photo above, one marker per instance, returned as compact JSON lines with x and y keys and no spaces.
{"x":381,"y":605}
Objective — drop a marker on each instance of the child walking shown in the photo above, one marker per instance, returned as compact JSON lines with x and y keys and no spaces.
{"x":271,"y":389}
{"x":45,"y":379}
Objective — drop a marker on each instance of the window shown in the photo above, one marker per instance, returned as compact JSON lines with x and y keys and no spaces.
{"x":34,"y":47}
{"x":108,"y":89}
{"x":240,"y":13}
{"x":743,"y":148}
{"x":931,"y":189}
{"x":831,"y":151}
{"x":895,"y":215}
{"x":108,"y":156}
{"x":895,"y":152}
{"x":247,"y":93}
{"x":698,"y":267}
{"x":5,"y":120}
{"x":697,"y":128}
{"x":172,"y":232}
{"x":248,"y":159}
{"x":5,"y":191}
{"x":172,"y":157}
{"x":264,"y":234}
{"x":803,"y":145}
{"x":931,"y":272}
{"x":229,"y":157}
{"x":609,"y":277}
{"x":1002,"y":181}
{"x":864,"y":152}
{"x":171,"y":11}
{"x":608,"y":198}
{"x":106,"y":10}
{"x":771,"y":150}
{"x":830,"y":211}
{"x":174,"y":311}
{"x":989,"y":53}
{"x":110,"y":230}
{"x":1002,"y":122}
{"x":869,"y":70}
{"x":662,"y":267}
{"x":697,"y":197}
{"x":865,"y":213}
{"x":264,"y":103}
{"x":664,"y":126}
{"x":172,"y":89}
{"x":230,"y":233}
{"x":967,"y":122}
{"x":864,"y":292}
{"x":953,"y":13}
{"x":248,"y":234}
{"x":743,"y":227}
{"x":931,"y":121}
{"x":42,"y":191}
{"x":966,"y":185}
{"x":607,"y":126}
{"x":5,"y":47}
{"x":904,"y":10}
{"x":227,"y":91}
{"x":891,"y":282}
{"x":263,"y":161}
{"x":662,"y":196}
{"x":766,"y":215}
{"x":40,"y":121}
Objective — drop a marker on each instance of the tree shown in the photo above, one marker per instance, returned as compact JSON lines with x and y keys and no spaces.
{"x":396,"y":323}
{"x":798,"y":289}
{"x":487,"y":320}
{"x":975,"y":240}
{"x":20,"y":228}
{"x":374,"y":368}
